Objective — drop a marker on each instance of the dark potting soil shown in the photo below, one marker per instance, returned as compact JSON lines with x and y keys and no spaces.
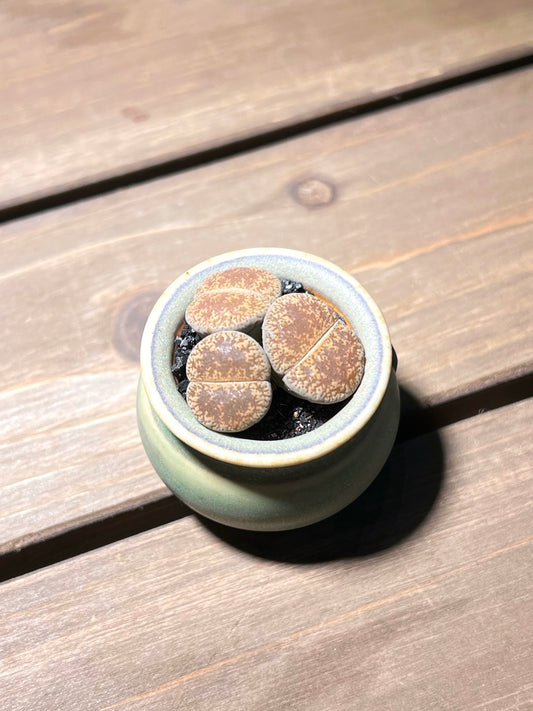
{"x":288,"y":416}
{"x":183,"y":345}
{"x":292,"y":287}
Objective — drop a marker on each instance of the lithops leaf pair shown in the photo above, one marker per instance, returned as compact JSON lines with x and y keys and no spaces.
{"x":229,"y":389}
{"x":234,"y":299}
{"x":318,"y":356}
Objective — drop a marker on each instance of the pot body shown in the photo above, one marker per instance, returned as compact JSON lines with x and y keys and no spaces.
{"x":269,"y":485}
{"x":278,"y":498}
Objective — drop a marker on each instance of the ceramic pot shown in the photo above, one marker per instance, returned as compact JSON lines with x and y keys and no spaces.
{"x":264,"y":485}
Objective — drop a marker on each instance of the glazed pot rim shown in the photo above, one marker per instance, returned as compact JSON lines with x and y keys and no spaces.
{"x":332,"y":283}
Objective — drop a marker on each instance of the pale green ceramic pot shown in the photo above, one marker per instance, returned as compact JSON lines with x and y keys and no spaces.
{"x":257,"y":485}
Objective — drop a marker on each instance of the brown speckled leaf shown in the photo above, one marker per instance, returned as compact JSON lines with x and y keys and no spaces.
{"x":225,"y":310}
{"x":293,"y":324}
{"x":332,"y":370}
{"x":229,"y":407}
{"x":248,"y":278}
{"x":228,"y":356}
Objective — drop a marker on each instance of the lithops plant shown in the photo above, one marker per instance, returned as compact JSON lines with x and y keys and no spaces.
{"x":235,"y":299}
{"x":317,"y":355}
{"x":229,"y":387}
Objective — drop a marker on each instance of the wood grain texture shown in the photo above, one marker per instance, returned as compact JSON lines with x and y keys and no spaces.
{"x":430,"y":614}
{"x":94,"y":88}
{"x":429,"y":205}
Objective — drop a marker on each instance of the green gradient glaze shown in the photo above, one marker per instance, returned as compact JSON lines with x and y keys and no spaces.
{"x":268,"y":499}
{"x":262,"y":485}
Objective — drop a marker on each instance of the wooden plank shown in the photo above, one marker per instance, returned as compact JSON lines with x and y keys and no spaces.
{"x":428,"y":204}
{"x":417,"y":596}
{"x":91,"y":89}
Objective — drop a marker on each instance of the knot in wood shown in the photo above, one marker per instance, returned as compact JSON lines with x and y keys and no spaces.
{"x":313,"y":193}
{"x":130,"y":322}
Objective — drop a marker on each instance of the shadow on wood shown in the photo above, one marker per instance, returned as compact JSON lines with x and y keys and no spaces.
{"x":394,"y":505}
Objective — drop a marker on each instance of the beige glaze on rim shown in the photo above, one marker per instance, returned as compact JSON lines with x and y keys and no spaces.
{"x":321,"y":276}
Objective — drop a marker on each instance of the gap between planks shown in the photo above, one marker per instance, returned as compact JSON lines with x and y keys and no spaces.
{"x":401,"y":95}
{"x":106,"y":530}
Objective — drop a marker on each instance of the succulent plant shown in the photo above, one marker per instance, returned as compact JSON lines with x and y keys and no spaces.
{"x":317,"y":355}
{"x":229,"y":388}
{"x":233,"y":299}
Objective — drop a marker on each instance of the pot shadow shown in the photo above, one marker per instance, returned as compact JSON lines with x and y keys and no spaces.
{"x":392,"y":507}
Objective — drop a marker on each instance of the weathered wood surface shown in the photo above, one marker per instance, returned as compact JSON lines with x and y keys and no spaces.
{"x":94,"y":88}
{"x":428,"y":204}
{"x":395,"y":604}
